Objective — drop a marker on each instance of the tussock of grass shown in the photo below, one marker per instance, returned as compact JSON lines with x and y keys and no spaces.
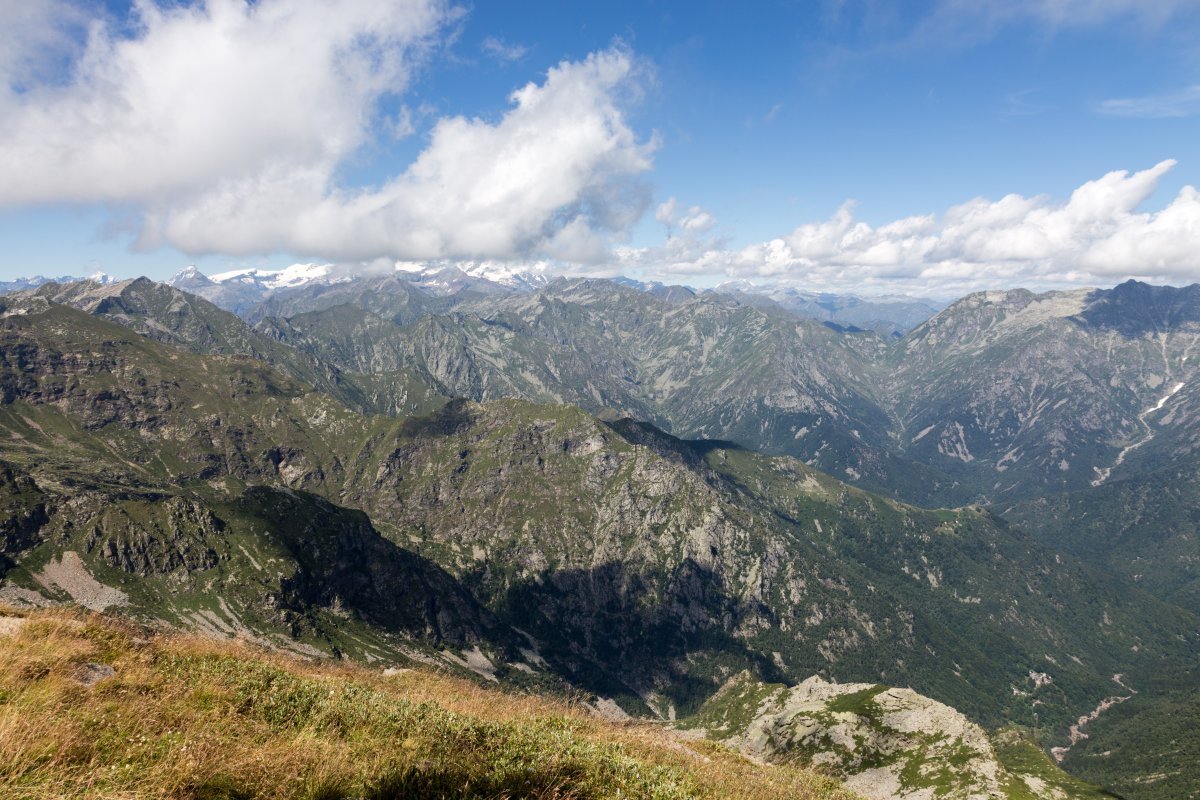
{"x":185,"y":717}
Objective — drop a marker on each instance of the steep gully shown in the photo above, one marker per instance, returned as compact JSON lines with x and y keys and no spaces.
{"x":1148,"y":432}
{"x":1077,"y":730}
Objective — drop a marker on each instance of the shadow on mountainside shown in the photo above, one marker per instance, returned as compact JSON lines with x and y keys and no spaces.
{"x":344,"y":561}
{"x":613,"y":632}
{"x":450,"y":419}
{"x":1134,"y":308}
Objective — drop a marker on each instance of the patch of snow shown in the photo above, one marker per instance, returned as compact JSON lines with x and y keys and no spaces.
{"x":286,"y":278}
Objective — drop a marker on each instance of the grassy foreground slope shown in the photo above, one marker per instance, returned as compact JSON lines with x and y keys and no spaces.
{"x":91,"y":707}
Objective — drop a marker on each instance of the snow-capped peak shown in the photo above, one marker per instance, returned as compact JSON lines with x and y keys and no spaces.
{"x":516,"y":276}
{"x":286,"y":278}
{"x":101,"y":277}
{"x":188,"y":275}
{"x":738,"y":285}
{"x":519,"y":275}
{"x":299,"y":274}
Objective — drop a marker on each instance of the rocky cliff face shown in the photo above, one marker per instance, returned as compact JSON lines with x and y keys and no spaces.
{"x":22,"y":514}
{"x":1019,"y":394}
{"x":884,"y":742}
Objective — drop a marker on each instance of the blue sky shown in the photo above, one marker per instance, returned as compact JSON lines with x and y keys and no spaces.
{"x":761,"y":120}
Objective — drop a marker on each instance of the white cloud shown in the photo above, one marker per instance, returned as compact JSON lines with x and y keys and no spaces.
{"x":503,"y":51}
{"x":1182,"y":103}
{"x":220,"y":90}
{"x":690,"y":222}
{"x":1095,"y":237}
{"x":226,"y":123}
{"x":665,"y":213}
{"x":479,"y":189}
{"x":35,"y":36}
{"x":986,"y":16}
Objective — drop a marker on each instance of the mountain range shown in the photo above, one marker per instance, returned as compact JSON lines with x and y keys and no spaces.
{"x":642,"y":493}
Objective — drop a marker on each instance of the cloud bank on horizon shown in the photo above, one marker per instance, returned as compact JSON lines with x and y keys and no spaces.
{"x":1097,"y":237}
{"x":201,"y":123}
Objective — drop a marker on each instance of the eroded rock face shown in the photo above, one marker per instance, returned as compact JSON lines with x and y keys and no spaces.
{"x":178,"y":534}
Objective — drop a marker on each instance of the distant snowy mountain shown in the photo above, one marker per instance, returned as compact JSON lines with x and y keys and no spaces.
{"x":448,"y":277}
{"x":286,"y":278}
{"x":240,"y":291}
{"x":21,"y":284}
{"x":244,"y":290}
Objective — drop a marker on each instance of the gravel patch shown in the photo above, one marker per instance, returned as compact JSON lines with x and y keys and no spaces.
{"x":71,"y":576}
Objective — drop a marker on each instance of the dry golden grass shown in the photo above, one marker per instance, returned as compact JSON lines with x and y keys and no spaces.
{"x":185,"y":717}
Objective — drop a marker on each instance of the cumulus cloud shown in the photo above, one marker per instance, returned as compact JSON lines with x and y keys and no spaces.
{"x":536,"y":178}
{"x":206,"y":92}
{"x":35,"y":36}
{"x":689,"y":222}
{"x":1097,"y":236}
{"x":225,"y":124}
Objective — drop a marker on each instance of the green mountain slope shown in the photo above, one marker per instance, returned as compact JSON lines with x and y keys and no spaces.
{"x":1144,"y":748}
{"x":529,"y":543}
{"x":637,"y":550}
{"x":1146,"y":529}
{"x":646,"y":566}
{"x":174,"y":317}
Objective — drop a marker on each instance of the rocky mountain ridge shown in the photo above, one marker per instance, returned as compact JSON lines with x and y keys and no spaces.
{"x":1000,"y":396}
{"x":197,"y":452}
{"x":596,"y":539}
